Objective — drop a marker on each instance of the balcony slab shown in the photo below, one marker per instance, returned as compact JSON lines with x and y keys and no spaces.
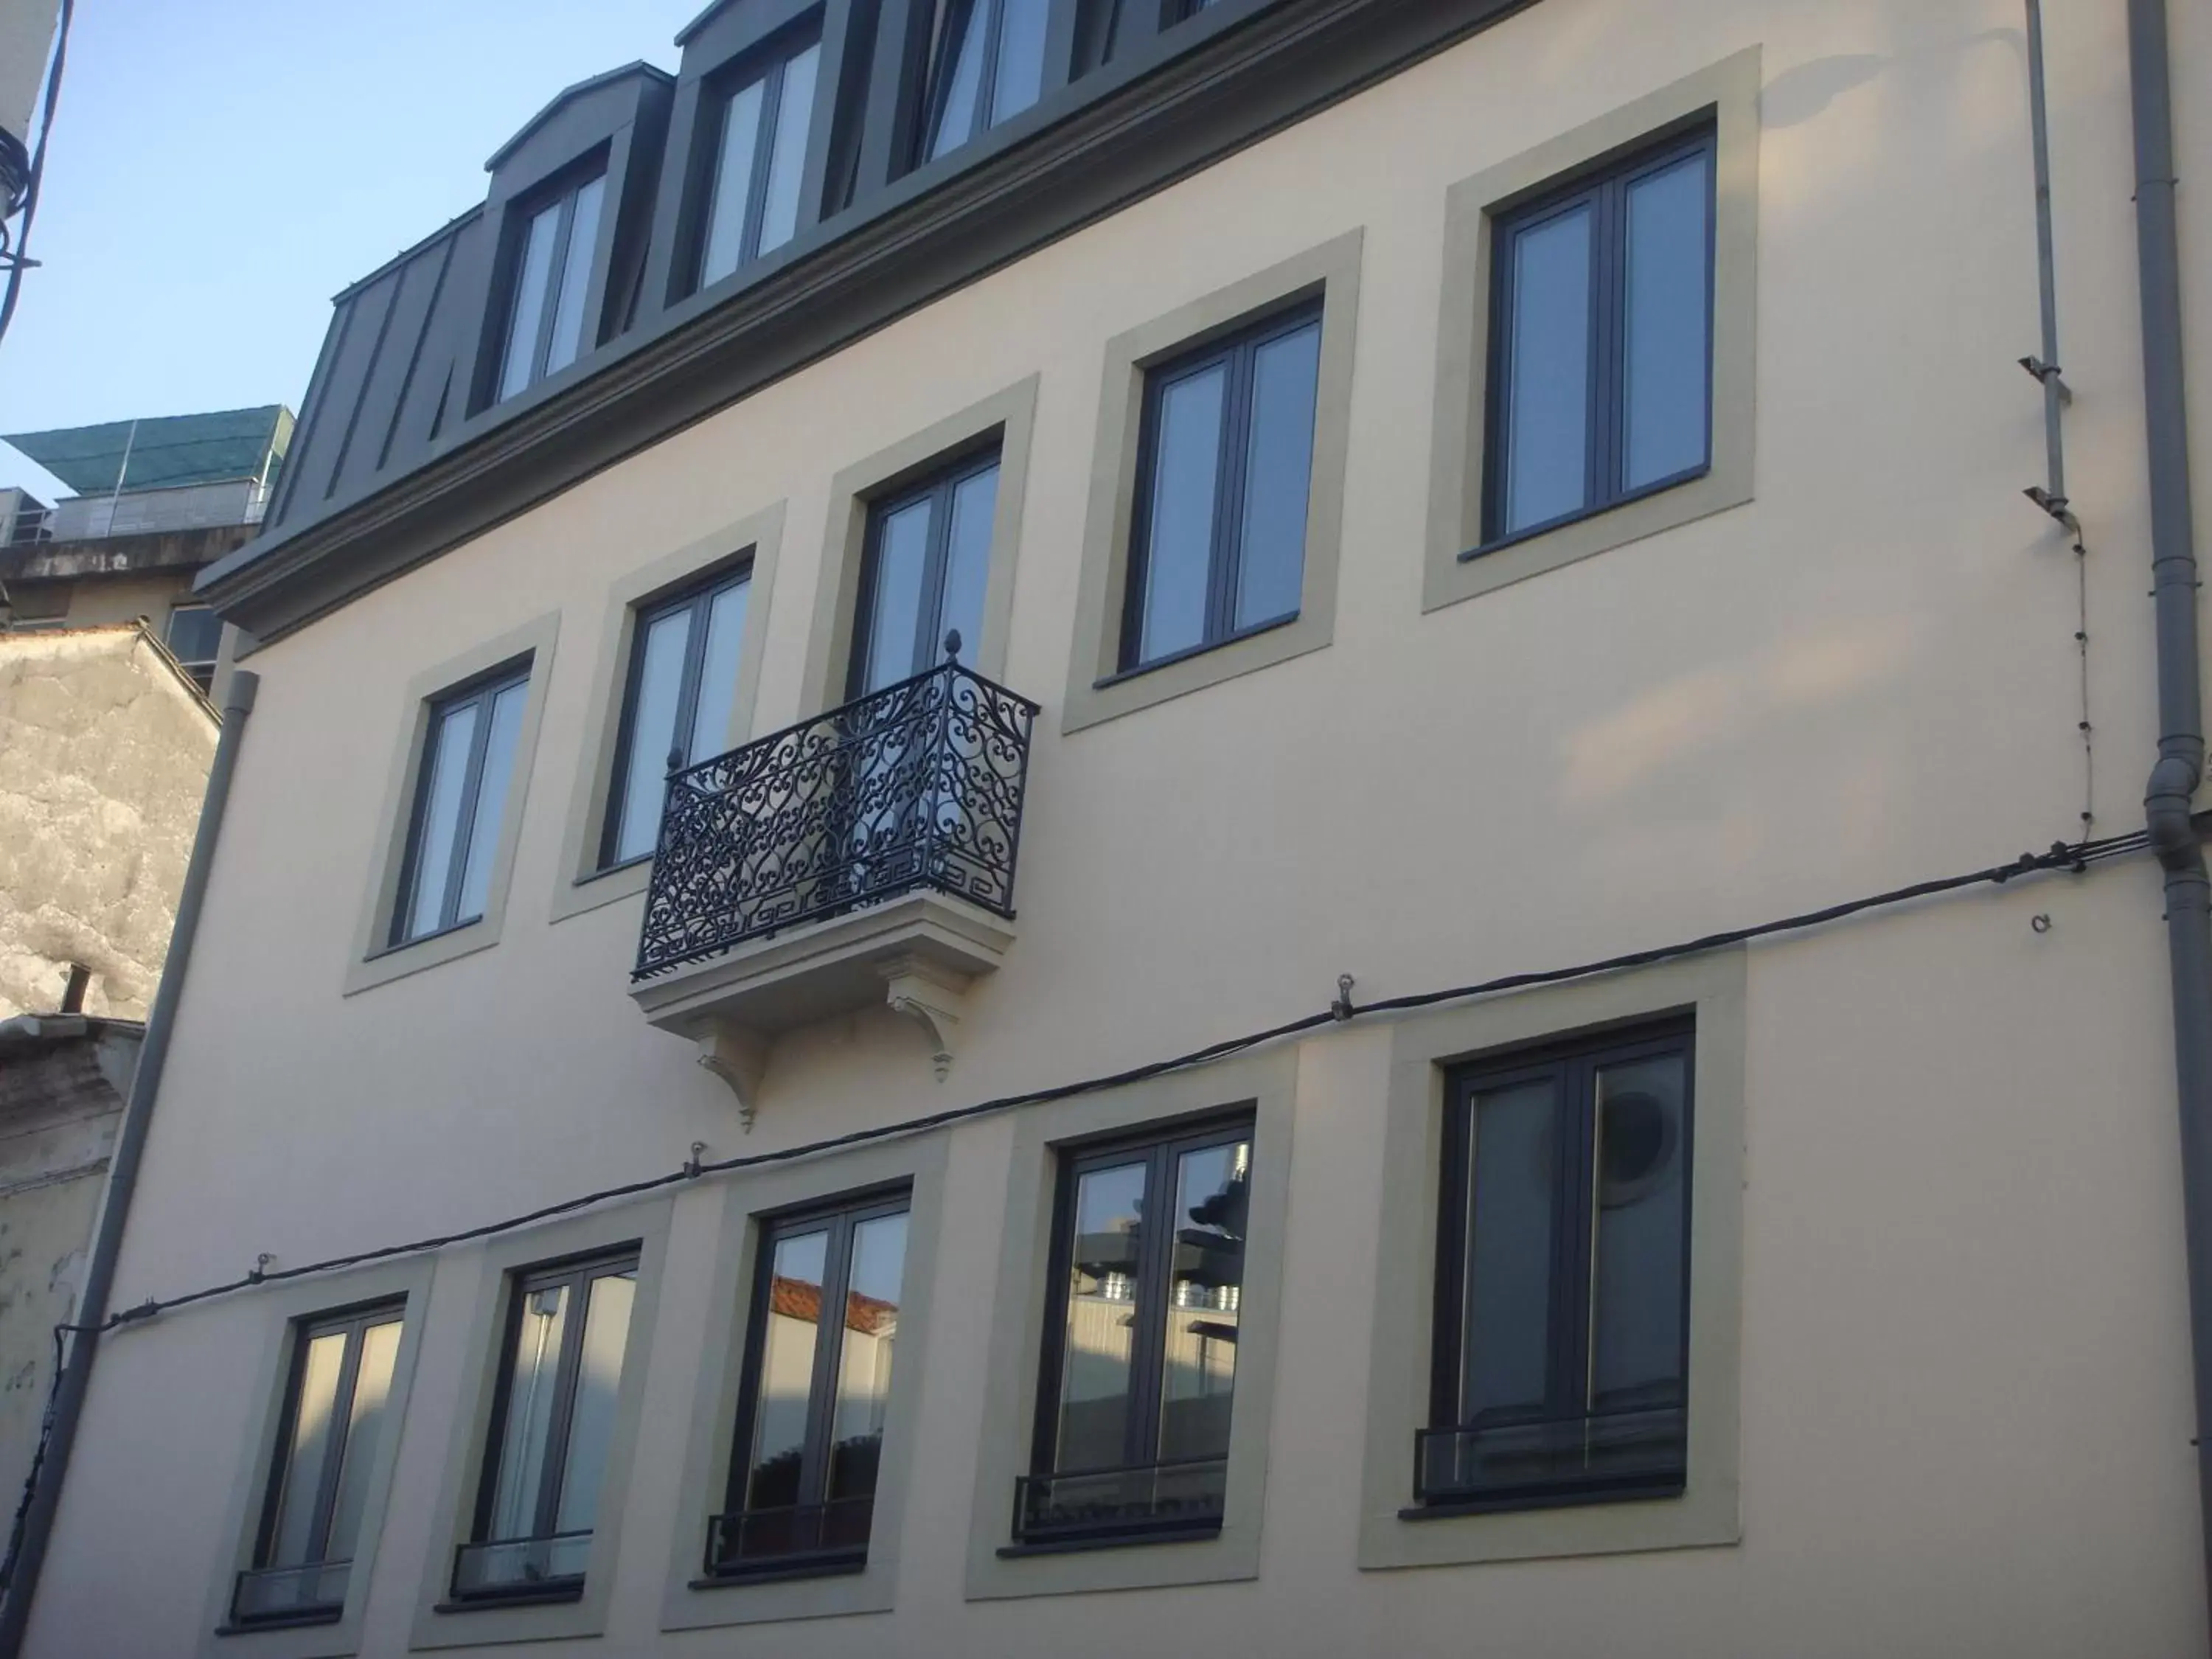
{"x":916,"y":954}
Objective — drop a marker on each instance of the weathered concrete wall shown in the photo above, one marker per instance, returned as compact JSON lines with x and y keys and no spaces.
{"x":61,"y":1100}
{"x":104,"y":754}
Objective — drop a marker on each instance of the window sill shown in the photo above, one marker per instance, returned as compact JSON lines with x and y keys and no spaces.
{"x":1117,"y":1541}
{"x":388,"y":963}
{"x":845,"y":1567}
{"x":1499,"y":544}
{"x":1123,"y":677}
{"x":303,"y":1620}
{"x":1527,"y":1502}
{"x":533,"y":1596}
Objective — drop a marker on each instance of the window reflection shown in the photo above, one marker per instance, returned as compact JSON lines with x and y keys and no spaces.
{"x":989,"y":66}
{"x":816,"y":1392}
{"x":334,"y":1421}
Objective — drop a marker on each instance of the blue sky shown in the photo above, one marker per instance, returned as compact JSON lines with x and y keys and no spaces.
{"x":220,"y":168}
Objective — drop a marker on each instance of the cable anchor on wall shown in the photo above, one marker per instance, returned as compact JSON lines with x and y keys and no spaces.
{"x":1342,"y":1008}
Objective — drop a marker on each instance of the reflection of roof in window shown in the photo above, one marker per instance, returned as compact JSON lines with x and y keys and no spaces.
{"x":798,"y":1298}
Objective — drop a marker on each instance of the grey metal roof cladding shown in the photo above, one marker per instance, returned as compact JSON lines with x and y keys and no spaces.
{"x":402,"y":453}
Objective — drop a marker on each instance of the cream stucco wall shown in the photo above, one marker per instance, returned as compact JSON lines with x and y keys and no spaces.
{"x":104,"y":756}
{"x":1963,"y":1365}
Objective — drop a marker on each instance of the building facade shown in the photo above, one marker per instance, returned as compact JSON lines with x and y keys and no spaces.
{"x":1430,"y":497}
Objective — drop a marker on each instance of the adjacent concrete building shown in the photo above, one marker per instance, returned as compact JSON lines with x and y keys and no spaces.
{"x":1178,"y":829}
{"x":105,"y":744}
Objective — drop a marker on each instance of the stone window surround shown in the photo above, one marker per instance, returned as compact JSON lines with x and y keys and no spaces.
{"x":1098,"y":688}
{"x":1726,"y":93}
{"x":1010,"y":415}
{"x":1268,"y":1085}
{"x":284,"y":1310}
{"x":373,"y":962}
{"x":753,"y":542}
{"x":643,"y":1224}
{"x":712,"y":1424}
{"x":1422,"y":1049}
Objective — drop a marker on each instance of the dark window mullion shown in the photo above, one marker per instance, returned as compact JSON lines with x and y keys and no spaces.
{"x":1229,"y":491}
{"x":288,"y":1428}
{"x":557,"y":1422}
{"x":1572,"y":1298}
{"x":1610,"y":359}
{"x":334,"y":1445}
{"x":1449,"y":1323}
{"x":828,"y":1332}
{"x":1052,"y":1366}
{"x":694,"y":611}
{"x":1148,"y":1339}
{"x":987,"y":81}
{"x":764,"y":125}
{"x":503,"y":1401}
{"x":929,"y":608}
{"x":464,"y":825}
{"x":542,"y":351}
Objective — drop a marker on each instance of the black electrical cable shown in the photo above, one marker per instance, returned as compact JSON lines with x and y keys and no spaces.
{"x":2077,"y":856}
{"x":2061,"y":856}
{"x":20,"y":260}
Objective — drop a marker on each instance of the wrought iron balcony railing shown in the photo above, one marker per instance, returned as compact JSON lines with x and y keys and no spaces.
{"x":917,"y":786}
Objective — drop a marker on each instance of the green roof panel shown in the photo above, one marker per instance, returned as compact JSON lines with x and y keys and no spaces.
{"x":165,"y":452}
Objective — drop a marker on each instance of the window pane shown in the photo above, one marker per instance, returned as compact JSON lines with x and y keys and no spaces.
{"x":575,"y":277}
{"x":1668,"y":358}
{"x":1186,"y":468}
{"x":1102,"y":1316}
{"x":786,"y":1369}
{"x":1204,"y":1295}
{"x":529,"y":1427}
{"x":787,"y":163}
{"x":451,"y":735}
{"x":901,"y":560}
{"x":1271,"y":555}
{"x":718,"y":672}
{"x":968,"y":562}
{"x":652,"y":733}
{"x":1547,"y":376}
{"x":733,"y":184}
{"x":491,"y":800}
{"x":310,"y":1447}
{"x":1509,"y":1235}
{"x":1021,"y":58}
{"x":1638,"y":1286}
{"x":598,"y":1380}
{"x":195,"y":633}
{"x":864,"y":1366}
{"x":372,"y":1392}
{"x":956,"y":119}
{"x":533,"y":273}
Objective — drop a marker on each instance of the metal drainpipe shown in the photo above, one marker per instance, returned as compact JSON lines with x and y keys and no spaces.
{"x":2180,"y":766}
{"x":129,"y":1152}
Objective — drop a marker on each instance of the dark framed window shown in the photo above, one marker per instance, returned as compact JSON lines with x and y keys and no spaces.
{"x":986,"y":66}
{"x":815,"y":1391}
{"x":1224,"y":469}
{"x":559,"y":1377}
{"x":1138,"y":1371}
{"x":682,"y":682}
{"x":551,"y":278}
{"x":336,"y":1397}
{"x":760,"y":127}
{"x":1600,"y":366}
{"x":925,"y":564}
{"x":194,"y":636}
{"x":460,"y":796}
{"x":1563,"y":1277}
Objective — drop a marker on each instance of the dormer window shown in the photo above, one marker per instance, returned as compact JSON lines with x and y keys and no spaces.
{"x":989,"y":67}
{"x":760,"y":156}
{"x":552,"y":278}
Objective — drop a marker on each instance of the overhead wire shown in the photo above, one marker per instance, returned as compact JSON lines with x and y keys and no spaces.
{"x":18,"y":258}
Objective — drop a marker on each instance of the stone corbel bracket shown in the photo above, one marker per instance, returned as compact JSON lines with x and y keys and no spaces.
{"x":932,"y":995}
{"x":739,"y":1058}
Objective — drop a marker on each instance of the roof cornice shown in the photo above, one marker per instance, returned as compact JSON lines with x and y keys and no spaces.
{"x":925,"y":242}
